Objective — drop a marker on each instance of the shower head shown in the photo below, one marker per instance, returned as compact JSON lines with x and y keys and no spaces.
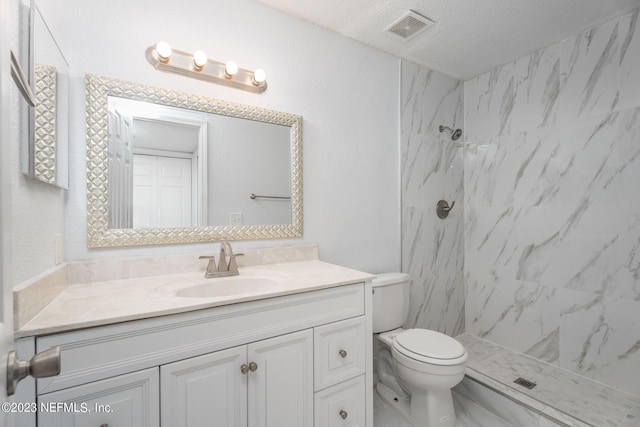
{"x":455,"y":134}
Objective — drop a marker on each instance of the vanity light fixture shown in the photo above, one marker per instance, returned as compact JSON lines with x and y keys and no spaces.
{"x":230,"y":69}
{"x":164,"y":52}
{"x":198,"y":66}
{"x":199,"y":60}
{"x":259,"y":77}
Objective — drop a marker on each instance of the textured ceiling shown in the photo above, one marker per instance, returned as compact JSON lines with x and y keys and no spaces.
{"x":469,"y":36}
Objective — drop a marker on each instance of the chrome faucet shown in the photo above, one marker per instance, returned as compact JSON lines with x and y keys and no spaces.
{"x":224,"y":268}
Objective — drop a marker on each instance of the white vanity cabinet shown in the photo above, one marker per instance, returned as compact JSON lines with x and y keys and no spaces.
{"x":124,"y":401}
{"x":198,"y":389}
{"x":299,"y":360}
{"x":264,"y":384}
{"x":281,"y":388}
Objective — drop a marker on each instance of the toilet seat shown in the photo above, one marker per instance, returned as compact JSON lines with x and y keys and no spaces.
{"x":431,"y":347}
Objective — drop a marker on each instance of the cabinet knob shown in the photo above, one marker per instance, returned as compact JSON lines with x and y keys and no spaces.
{"x":244,"y":368}
{"x":342,"y":353}
{"x":343,"y":414}
{"x":253,"y":366}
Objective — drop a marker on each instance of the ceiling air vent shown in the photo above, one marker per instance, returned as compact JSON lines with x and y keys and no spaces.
{"x":409,"y":25}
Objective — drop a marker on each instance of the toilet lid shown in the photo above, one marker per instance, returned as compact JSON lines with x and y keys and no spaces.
{"x":425,"y":344}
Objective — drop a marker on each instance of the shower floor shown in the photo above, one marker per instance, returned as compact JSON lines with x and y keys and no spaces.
{"x":561,"y":395}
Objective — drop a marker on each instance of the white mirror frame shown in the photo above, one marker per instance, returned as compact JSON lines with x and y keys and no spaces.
{"x":98,"y":232}
{"x":42,"y":160}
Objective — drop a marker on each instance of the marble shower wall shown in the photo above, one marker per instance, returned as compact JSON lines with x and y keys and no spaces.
{"x":552,"y":204}
{"x":432,"y":169}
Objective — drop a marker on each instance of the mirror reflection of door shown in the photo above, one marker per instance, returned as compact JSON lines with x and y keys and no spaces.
{"x":231,"y":158}
{"x":165,"y":174}
{"x":161,"y":191}
{"x":120,"y":168}
{"x":157,"y":169}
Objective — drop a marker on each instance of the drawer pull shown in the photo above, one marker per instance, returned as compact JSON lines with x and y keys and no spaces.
{"x":104,"y":425}
{"x":243,"y":369}
{"x":343,"y":414}
{"x":253,"y":366}
{"x":342,"y":353}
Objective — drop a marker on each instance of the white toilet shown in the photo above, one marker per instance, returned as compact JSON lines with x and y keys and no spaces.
{"x":417,"y":367}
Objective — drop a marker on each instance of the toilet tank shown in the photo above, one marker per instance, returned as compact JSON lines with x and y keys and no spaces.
{"x":390,"y":301}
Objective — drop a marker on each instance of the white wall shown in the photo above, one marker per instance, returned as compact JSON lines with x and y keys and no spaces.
{"x":37,"y":209}
{"x":248,"y":157}
{"x":346,"y":92}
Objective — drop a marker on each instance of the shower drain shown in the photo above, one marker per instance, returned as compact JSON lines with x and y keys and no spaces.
{"x":525,"y":383}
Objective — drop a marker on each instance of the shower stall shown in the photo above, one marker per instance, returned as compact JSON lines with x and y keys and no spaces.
{"x":542,"y":251}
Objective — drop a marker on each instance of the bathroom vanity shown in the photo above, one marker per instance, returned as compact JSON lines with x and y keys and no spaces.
{"x":293,"y":352}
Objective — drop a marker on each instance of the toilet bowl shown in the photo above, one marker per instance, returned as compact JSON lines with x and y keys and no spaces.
{"x":417,"y":367}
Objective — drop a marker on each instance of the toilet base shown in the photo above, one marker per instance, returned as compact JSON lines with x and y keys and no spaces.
{"x":391,"y":398}
{"x":445,"y":418}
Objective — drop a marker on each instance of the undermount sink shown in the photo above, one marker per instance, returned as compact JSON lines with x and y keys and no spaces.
{"x":226,"y":286}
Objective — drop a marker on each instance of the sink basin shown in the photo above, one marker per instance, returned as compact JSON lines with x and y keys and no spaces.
{"x":227,"y":286}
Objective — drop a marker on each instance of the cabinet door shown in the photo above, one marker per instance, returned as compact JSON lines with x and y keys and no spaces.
{"x":208,"y":390}
{"x":125,"y":401}
{"x":281,"y":387}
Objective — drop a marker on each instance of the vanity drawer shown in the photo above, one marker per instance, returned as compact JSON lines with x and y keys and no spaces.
{"x":342,"y":405}
{"x":339,"y":352}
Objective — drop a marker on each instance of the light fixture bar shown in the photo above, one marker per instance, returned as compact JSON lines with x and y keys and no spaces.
{"x":182,"y":63}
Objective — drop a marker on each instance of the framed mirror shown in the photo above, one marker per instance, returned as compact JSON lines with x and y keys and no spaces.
{"x":46,"y":152}
{"x":167,"y":167}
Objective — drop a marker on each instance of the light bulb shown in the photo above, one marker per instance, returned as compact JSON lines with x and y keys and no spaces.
{"x":230,"y":69}
{"x":259,"y":76}
{"x":164,"y":51}
{"x":199,"y":59}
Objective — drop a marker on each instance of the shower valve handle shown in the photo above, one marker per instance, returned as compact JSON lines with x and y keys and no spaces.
{"x":443,"y":208}
{"x":448,"y":209}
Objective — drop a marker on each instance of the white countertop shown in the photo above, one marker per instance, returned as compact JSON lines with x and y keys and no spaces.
{"x":100,"y":303}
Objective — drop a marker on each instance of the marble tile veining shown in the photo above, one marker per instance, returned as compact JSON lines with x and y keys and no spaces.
{"x":601,"y":337}
{"x":432,"y":169}
{"x":490,"y":102}
{"x":537,"y":81}
{"x":519,"y":314}
{"x":589,"y":64}
{"x":552,"y":208}
{"x":630,"y":60}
